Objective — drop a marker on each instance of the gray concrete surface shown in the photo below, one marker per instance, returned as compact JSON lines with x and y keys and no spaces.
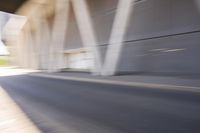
{"x":60,"y":106}
{"x":162,"y":35}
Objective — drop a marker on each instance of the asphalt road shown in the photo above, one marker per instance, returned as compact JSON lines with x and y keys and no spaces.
{"x":60,"y":106}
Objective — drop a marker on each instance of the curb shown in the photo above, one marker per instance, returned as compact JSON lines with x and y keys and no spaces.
{"x":122,"y":83}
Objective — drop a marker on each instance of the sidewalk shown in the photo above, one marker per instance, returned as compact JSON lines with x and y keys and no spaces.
{"x":13,"y":70}
{"x":148,"y":81}
{"x":12,"y":118}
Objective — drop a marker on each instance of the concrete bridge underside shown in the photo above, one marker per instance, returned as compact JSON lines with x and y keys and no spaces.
{"x":111,"y":36}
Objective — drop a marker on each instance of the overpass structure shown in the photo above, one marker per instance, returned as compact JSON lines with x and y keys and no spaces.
{"x":110,"y":37}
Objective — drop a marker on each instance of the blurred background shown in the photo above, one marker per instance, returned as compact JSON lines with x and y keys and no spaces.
{"x":105,"y":37}
{"x":100,"y":66}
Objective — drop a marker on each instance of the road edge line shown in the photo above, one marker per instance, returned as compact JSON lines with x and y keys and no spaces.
{"x":122,"y":83}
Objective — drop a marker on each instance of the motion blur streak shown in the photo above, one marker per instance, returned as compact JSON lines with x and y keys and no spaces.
{"x":103,"y":66}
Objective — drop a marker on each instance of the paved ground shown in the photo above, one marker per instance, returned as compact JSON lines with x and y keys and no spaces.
{"x":61,"y":106}
{"x":12,"y":118}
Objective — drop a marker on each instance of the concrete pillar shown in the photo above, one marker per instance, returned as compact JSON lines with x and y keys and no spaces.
{"x":33,"y":63}
{"x":56,"y":61}
{"x":117,"y":36}
{"x":87,"y":32}
{"x":36,"y":20}
{"x":45,"y":44}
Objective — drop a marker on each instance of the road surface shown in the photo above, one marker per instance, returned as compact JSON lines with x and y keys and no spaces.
{"x":61,"y":106}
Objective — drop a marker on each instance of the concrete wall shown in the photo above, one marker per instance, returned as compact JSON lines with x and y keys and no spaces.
{"x":163,"y":36}
{"x":73,"y":38}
